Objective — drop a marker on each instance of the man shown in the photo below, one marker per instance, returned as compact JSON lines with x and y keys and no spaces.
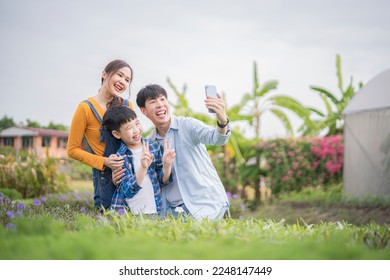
{"x":197,"y":189}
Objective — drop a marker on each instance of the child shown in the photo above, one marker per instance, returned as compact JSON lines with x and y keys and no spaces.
{"x":147,"y":167}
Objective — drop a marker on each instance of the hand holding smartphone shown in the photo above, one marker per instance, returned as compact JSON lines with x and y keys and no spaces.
{"x":212,"y":92}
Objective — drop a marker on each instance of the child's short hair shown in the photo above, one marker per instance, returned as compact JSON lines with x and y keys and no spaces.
{"x":116,"y":116}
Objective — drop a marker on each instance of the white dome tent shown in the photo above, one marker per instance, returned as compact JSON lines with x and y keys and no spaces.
{"x":367,"y":140}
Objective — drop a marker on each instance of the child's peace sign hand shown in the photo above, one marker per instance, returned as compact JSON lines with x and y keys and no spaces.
{"x":147,"y":157}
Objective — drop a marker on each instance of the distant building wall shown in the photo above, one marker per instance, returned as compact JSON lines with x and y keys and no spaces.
{"x":367,"y":154}
{"x":50,"y":142}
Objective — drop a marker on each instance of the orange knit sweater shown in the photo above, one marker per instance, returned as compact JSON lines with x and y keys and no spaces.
{"x":85,"y":123}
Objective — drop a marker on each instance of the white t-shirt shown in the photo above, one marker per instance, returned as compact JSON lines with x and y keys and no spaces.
{"x":143,"y":202}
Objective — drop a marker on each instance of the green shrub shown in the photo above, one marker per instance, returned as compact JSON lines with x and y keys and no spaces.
{"x":11,"y":193}
{"x":10,"y":151}
{"x":78,"y":170}
{"x":292,"y":164}
{"x":32,"y":177}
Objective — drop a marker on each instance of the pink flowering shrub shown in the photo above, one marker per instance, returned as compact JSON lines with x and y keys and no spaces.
{"x":330,"y":152}
{"x":292,"y":164}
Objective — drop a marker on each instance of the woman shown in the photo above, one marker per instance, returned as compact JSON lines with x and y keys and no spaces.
{"x":116,"y":78}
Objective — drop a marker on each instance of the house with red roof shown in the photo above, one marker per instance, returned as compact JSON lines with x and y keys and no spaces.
{"x":38,"y":141}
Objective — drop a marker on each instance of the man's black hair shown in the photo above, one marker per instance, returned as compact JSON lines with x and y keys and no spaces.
{"x":150,"y":92}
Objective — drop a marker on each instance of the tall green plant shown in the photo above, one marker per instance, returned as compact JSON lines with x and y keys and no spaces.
{"x":331,"y":120}
{"x":32,"y":177}
{"x":261,"y":100}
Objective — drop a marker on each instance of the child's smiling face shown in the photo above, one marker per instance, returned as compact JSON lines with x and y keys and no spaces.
{"x":130,"y":133}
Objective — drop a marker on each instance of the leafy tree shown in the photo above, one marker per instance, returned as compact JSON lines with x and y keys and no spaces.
{"x":30,"y":123}
{"x":56,"y":126}
{"x":261,"y":100}
{"x":254,"y":104}
{"x":331,"y":120}
{"x":6,"y":122}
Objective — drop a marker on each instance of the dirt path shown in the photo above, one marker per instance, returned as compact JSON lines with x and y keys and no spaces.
{"x":313,"y":213}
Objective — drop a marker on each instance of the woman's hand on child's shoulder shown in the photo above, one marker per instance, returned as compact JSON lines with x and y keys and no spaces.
{"x":113,"y":161}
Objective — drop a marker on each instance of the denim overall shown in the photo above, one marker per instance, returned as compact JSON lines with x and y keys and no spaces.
{"x":102,"y":180}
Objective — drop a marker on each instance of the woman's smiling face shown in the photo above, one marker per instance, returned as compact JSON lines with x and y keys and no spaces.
{"x":118,"y":82}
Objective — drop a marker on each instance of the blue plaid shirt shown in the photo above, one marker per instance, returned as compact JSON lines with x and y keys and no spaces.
{"x":128,"y":188}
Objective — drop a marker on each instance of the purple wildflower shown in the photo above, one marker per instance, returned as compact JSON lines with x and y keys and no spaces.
{"x":83,"y":210}
{"x":7,"y":200}
{"x":234,"y":196}
{"x":1,"y":194}
{"x":10,"y":226}
{"x":121,"y":211}
{"x":43,"y":199}
{"x":10,"y":215}
{"x":37,"y":202}
{"x":19,"y":214}
{"x":1,"y":200}
{"x":99,"y":217}
{"x":229,"y":195}
{"x":241,"y":217}
{"x":20,"y":206}
{"x":243,"y":207}
{"x":62,"y":197}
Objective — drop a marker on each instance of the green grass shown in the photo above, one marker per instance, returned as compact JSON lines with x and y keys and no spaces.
{"x":120,"y":237}
{"x":65,"y":226}
{"x":333,"y":195}
{"x":81,"y":185}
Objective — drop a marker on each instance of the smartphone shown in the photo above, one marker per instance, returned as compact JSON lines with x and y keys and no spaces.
{"x":212,"y":92}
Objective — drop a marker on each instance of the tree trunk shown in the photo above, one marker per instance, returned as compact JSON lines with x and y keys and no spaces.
{"x":257,"y":181}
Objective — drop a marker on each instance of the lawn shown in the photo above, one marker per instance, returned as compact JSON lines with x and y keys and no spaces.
{"x":65,"y":226}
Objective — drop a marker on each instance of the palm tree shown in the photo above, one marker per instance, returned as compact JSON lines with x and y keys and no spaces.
{"x":332,"y":119}
{"x":259,"y":101}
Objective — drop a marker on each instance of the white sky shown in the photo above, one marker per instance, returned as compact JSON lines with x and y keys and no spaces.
{"x":52,"y":52}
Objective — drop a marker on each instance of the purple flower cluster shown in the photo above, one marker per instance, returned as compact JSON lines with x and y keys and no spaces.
{"x":36,"y":202}
{"x":9,"y":210}
{"x":77,"y":203}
